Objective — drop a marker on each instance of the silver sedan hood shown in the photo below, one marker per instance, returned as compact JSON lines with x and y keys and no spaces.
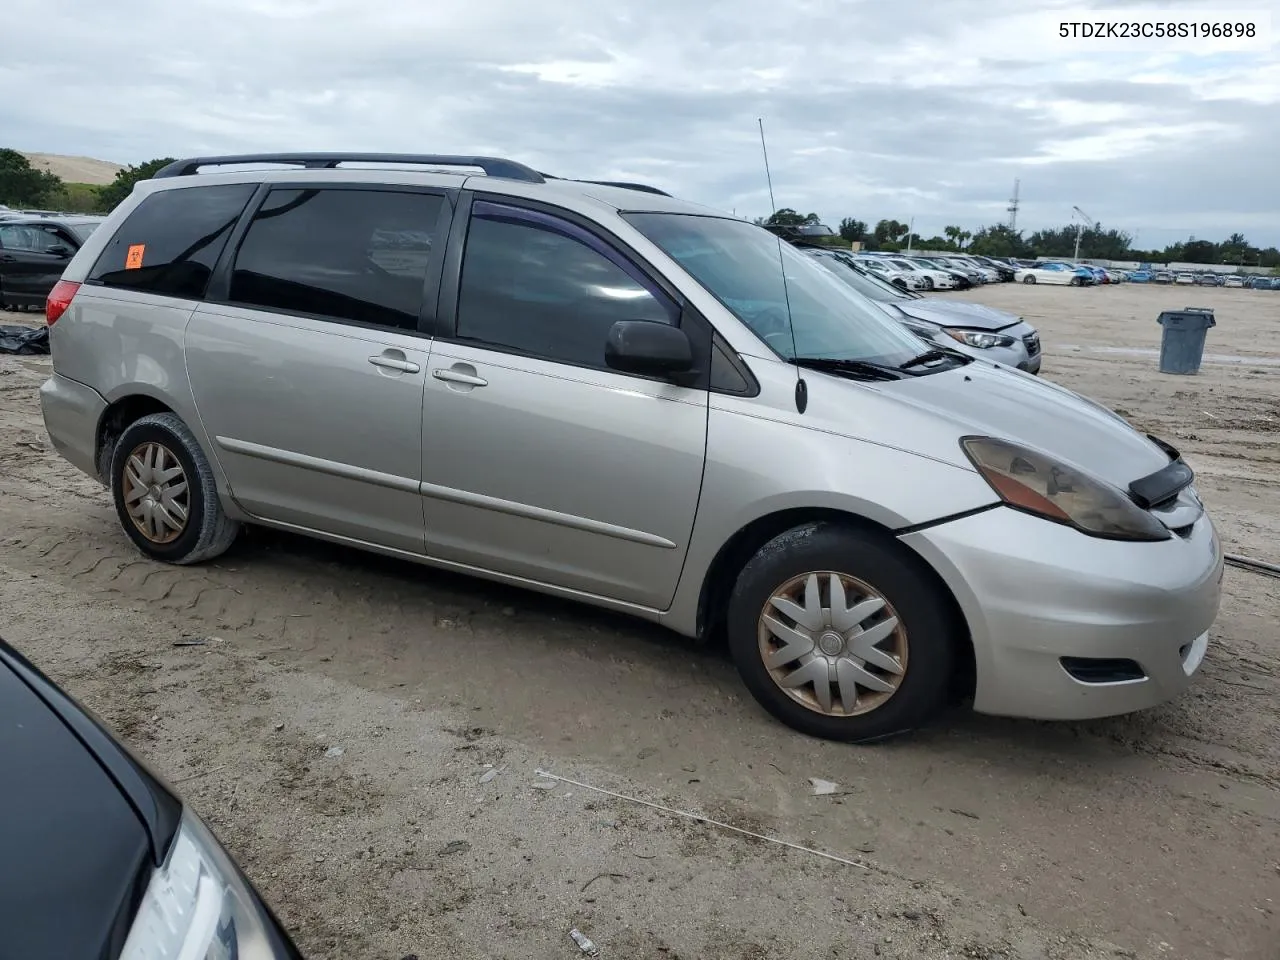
{"x":957,"y":313}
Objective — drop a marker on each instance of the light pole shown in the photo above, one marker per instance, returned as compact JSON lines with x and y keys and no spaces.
{"x":1085,"y":218}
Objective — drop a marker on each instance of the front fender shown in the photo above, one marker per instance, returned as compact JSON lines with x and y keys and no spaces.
{"x":757,"y":467}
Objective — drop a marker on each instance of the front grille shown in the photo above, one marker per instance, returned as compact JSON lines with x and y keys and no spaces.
{"x":1032,"y":340}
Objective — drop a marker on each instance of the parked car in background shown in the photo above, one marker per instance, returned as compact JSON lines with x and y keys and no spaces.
{"x":964,"y":279}
{"x":1115,"y":276}
{"x":1004,"y":270}
{"x":989,"y":273}
{"x":1050,"y":272}
{"x":980,"y":331}
{"x":934,"y":279}
{"x":33,"y":253}
{"x":101,"y":858}
{"x":1141,"y":276}
{"x":1185,"y":278}
{"x":1235,"y":280}
{"x":1208,"y":280}
{"x":863,"y":516}
{"x":976,"y":273}
{"x":1162,"y":276}
{"x":905,"y":279}
{"x":1261,"y":283}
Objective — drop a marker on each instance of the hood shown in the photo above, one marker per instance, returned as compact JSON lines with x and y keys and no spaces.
{"x":928,"y":415}
{"x":956,"y":313}
{"x":76,"y":854}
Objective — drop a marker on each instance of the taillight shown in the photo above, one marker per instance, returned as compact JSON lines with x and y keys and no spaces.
{"x":59,"y":299}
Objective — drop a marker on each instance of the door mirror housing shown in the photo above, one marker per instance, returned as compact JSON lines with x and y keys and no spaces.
{"x":59,"y":250}
{"x":648,"y":347}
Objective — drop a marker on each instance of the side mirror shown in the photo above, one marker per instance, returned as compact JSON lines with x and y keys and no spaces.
{"x":59,"y":250}
{"x":648,"y":347}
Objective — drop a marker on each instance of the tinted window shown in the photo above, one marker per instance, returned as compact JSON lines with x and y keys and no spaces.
{"x":353,"y":255}
{"x":170,"y":243}
{"x":529,"y":287}
{"x":84,"y":229}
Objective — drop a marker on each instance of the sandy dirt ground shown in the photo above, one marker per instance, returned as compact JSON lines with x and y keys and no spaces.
{"x":339,"y":722}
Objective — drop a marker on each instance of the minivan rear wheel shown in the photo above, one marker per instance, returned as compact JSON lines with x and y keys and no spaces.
{"x":165,"y":495}
{"x":840,"y":635}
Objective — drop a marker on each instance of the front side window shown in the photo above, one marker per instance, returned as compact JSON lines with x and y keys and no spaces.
{"x":537,"y":285}
{"x":358,"y":256}
{"x":170,"y":243}
{"x":777,"y":291}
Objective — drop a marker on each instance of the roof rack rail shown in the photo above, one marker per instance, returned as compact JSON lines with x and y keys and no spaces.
{"x":626,"y":185}
{"x":492,"y":166}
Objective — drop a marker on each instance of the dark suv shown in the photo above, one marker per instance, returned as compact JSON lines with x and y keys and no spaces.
{"x":33,"y":253}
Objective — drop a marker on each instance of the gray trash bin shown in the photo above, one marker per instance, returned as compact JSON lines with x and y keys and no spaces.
{"x":1182,"y":340}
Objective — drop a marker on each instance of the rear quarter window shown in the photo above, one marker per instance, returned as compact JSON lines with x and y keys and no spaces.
{"x":170,"y":243}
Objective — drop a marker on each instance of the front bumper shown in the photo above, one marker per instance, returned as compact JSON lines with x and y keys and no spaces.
{"x":71,"y":414}
{"x":1034,"y":592}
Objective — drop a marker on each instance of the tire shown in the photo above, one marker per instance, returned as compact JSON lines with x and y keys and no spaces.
{"x":162,"y":442}
{"x":1077,"y":281}
{"x":928,"y":283}
{"x":1028,"y":279}
{"x":921,"y":634}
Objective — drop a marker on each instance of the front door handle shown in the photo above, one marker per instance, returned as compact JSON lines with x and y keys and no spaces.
{"x":393,"y":363}
{"x":8,"y":258}
{"x":451,"y":375}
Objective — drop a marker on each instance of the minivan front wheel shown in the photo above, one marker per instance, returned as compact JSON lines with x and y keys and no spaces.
{"x":839,"y":635}
{"x":165,"y":495}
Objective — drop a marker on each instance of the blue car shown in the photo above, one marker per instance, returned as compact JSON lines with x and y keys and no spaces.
{"x":1140,"y":276}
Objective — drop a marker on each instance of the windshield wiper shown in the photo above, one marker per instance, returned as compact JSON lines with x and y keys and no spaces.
{"x":930,"y":355}
{"x":852,"y":368}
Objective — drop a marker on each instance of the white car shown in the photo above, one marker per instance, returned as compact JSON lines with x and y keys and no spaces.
{"x":1115,"y":276}
{"x":1049,"y":272}
{"x":1185,"y":279}
{"x":934,"y":279}
{"x":905,"y":279}
{"x":1233,"y":281}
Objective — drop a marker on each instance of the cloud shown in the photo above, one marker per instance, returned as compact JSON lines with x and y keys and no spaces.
{"x":871,"y":109}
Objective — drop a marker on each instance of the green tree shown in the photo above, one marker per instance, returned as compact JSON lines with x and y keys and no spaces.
{"x":852,"y":230}
{"x":22,"y":185}
{"x":114,"y":193}
{"x":890,"y":233}
{"x":998,"y":240}
{"x":957,"y":237}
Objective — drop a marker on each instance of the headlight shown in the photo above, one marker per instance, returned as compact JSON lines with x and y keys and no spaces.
{"x":198,"y":907}
{"x":1038,"y":484}
{"x":980,"y":339}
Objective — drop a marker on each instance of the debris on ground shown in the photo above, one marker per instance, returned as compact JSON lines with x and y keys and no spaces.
{"x":454,"y":846}
{"x":23,"y":340}
{"x":585,"y":943}
{"x":334,"y":752}
{"x":823,"y":788}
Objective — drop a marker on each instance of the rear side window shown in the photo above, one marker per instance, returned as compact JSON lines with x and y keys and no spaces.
{"x":358,"y":256}
{"x":170,"y":243}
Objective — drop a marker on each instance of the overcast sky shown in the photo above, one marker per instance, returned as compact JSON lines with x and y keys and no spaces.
{"x":872,"y":108}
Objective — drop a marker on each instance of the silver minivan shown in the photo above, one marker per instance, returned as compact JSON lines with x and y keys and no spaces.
{"x":601,"y":392}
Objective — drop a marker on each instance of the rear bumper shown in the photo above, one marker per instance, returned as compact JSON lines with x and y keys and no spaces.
{"x":1034,"y":592}
{"x":71,"y":415}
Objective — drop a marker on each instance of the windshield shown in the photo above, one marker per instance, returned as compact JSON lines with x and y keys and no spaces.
{"x":82,"y":230}
{"x":741,"y":265}
{"x":873,"y":288}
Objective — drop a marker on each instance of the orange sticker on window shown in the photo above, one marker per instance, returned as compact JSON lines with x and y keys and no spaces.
{"x":133,"y":260}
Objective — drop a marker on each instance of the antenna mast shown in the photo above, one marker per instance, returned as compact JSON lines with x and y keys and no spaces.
{"x":1013,"y":207}
{"x":767,"y":175}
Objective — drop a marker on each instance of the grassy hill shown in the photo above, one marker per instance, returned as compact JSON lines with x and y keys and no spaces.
{"x":75,"y":170}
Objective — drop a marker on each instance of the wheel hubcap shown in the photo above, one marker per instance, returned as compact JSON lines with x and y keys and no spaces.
{"x":833,"y":644}
{"x":156,"y":494}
